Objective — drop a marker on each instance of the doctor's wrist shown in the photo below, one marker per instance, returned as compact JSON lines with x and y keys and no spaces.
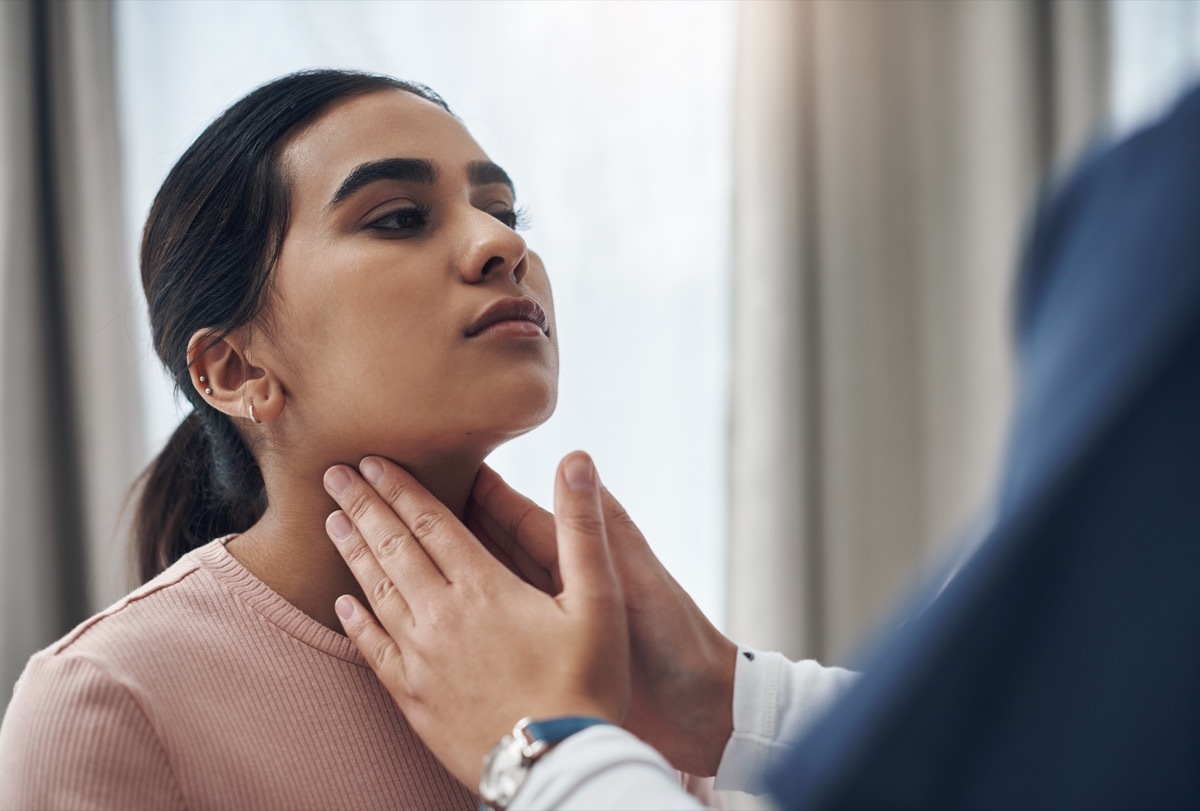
{"x":507,"y":766}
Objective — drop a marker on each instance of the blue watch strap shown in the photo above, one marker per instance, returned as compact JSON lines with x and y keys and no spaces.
{"x":505,"y":769}
{"x":554,"y":730}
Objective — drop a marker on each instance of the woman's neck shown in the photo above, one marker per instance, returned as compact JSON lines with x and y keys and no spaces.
{"x":289,"y":550}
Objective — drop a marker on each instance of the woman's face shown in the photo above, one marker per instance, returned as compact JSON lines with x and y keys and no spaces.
{"x":400,"y":241}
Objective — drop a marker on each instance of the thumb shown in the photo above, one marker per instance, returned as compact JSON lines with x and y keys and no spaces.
{"x":583,"y":557}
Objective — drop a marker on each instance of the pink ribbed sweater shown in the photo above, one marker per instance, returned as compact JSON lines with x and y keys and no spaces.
{"x":205,"y":689}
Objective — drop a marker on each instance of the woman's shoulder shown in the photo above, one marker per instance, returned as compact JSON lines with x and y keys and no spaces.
{"x":77,"y":727}
{"x":154,"y":608}
{"x":123,"y":638}
{"x":75,"y":736}
{"x":83,"y":712}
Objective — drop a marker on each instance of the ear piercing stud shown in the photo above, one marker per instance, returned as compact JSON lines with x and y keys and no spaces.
{"x":207,"y":389}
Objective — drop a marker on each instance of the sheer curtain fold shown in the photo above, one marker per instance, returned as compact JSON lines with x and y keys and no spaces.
{"x":886,"y":154}
{"x":68,"y":386}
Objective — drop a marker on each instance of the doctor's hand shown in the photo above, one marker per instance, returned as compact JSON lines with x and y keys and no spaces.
{"x":682,"y":666}
{"x":464,"y":646}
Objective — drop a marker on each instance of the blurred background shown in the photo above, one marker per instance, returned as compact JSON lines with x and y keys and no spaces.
{"x":783,"y":238}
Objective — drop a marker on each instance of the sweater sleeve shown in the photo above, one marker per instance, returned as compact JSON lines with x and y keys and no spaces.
{"x":75,"y":737}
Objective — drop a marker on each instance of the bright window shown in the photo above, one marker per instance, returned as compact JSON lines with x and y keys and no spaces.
{"x":1155,"y":55}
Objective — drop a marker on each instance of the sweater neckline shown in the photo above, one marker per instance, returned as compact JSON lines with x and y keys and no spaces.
{"x":215,"y":559}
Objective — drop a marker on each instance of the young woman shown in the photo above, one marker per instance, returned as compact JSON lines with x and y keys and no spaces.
{"x":333,"y":270}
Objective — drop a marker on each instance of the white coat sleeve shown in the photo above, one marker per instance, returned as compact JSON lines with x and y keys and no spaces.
{"x":606,"y":767}
{"x":774,"y":702}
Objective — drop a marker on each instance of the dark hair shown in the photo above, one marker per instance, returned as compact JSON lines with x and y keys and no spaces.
{"x":209,"y":245}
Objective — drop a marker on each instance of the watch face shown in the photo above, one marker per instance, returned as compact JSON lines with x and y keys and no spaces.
{"x":504,"y":771}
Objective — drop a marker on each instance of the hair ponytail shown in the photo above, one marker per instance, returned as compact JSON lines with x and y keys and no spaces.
{"x":203,"y":485}
{"x":211,"y":239}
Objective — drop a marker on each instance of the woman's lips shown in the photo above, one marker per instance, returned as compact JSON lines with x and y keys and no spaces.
{"x":516,"y":316}
{"x":515,"y":329}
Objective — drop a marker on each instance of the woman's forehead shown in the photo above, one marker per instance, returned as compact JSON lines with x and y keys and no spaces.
{"x":374,"y":127}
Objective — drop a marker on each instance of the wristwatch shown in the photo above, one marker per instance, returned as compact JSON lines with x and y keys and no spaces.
{"x":507,"y":766}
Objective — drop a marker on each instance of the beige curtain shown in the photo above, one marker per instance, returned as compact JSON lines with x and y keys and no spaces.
{"x":887,"y":154}
{"x":69,"y":402}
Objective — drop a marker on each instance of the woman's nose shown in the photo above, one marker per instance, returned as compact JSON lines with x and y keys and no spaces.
{"x":496,"y":250}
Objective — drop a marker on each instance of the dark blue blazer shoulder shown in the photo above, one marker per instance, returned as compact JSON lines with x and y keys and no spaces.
{"x":1061,"y":667}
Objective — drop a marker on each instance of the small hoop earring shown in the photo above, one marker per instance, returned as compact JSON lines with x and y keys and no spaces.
{"x":253,"y":418}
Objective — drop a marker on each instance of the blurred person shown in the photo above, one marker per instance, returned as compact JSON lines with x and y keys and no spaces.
{"x":1060,"y":668}
{"x":332,"y":268}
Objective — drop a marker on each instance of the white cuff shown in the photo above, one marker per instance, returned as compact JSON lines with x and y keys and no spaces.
{"x":603,"y":768}
{"x":774,"y":701}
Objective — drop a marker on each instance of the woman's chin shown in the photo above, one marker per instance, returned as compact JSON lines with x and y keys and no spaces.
{"x":469,"y":427}
{"x":519,"y":422}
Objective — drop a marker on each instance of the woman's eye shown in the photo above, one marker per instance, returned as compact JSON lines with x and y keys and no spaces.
{"x":516,"y":219}
{"x":403,"y":221}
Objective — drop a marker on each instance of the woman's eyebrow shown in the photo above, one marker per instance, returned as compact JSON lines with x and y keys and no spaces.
{"x":412,"y":170}
{"x":482,"y":173}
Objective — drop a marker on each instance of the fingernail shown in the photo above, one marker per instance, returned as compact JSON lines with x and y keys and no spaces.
{"x":345,"y":607}
{"x":579,"y":473}
{"x":338,"y":526}
{"x":371,"y":469}
{"x":337,"y":480}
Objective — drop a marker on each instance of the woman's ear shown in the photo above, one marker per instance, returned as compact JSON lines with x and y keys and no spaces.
{"x":224,"y":374}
